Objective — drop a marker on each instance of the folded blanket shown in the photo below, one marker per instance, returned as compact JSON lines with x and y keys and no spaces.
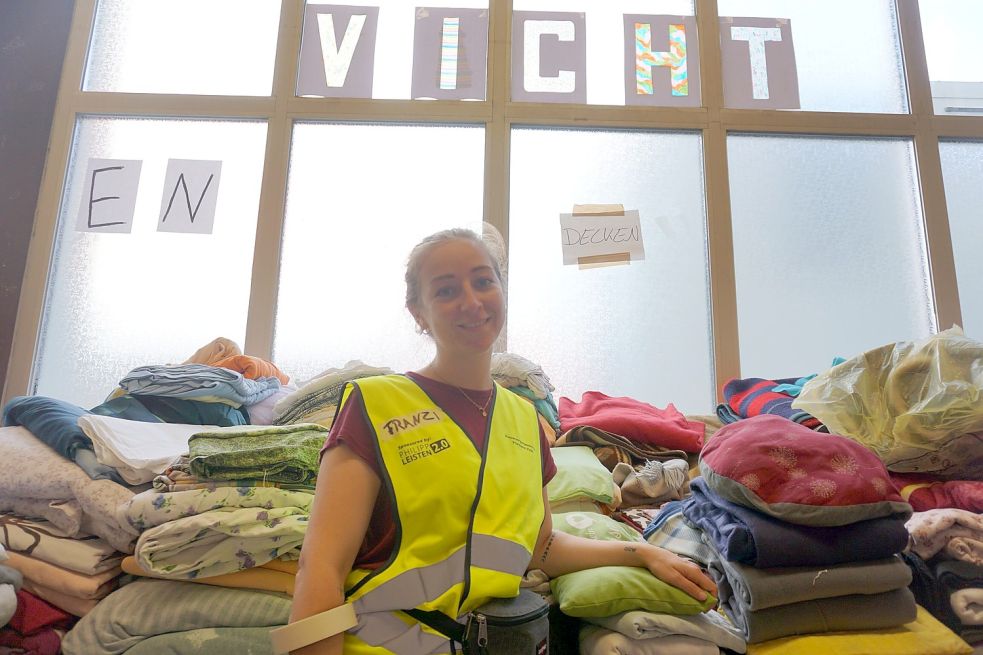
{"x":925,"y":492}
{"x":856,"y":612}
{"x":214,"y":641}
{"x":193,"y":534}
{"x":163,"y":409}
{"x":252,"y":368}
{"x":967,"y":605}
{"x":53,"y":421}
{"x":709,"y":626}
{"x":951,"y":577}
{"x":68,"y":582}
{"x":197,"y":381}
{"x":595,"y":640}
{"x":612,"y":448}
{"x":259,"y":577}
{"x":323,"y":389}
{"x":741,"y":534}
{"x":84,"y":553}
{"x":634,"y":419}
{"x":66,"y":602}
{"x":923,"y":636}
{"x":755,"y":396}
{"x":274,"y":453}
{"x":31,"y":470}
{"x":763,"y":588}
{"x":145,"y":608}
{"x":671,"y":531}
{"x":138,"y":450}
{"x":933,"y":530}
{"x":653,"y":483}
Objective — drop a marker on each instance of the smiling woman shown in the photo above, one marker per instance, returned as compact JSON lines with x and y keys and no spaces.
{"x":437,"y":477}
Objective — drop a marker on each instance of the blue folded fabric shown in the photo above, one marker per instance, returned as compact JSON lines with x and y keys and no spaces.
{"x":53,"y":421}
{"x":164,"y":409}
{"x":744,"y":535}
{"x":197,"y":381}
{"x":86,"y":459}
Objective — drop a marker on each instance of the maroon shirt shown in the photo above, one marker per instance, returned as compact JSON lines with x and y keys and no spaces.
{"x":351,"y":429}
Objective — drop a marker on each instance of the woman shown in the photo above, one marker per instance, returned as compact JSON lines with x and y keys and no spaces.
{"x":431,"y":491}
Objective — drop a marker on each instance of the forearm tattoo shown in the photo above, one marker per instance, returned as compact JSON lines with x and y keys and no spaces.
{"x":546,"y":551}
{"x":631,"y":549}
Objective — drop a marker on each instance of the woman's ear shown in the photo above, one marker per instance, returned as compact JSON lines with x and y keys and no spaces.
{"x":421,"y":326}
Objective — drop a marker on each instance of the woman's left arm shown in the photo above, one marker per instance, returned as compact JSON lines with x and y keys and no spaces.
{"x":558,"y":553}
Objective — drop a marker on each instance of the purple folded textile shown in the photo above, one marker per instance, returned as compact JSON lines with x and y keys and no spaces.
{"x":744,"y":535}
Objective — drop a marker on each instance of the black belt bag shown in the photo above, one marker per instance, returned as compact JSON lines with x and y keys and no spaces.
{"x":502,"y":626}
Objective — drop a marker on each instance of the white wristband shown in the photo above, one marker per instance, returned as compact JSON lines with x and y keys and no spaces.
{"x":314,"y":628}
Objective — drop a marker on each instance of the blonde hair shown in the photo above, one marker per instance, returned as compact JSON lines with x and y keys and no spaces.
{"x":490,"y":241}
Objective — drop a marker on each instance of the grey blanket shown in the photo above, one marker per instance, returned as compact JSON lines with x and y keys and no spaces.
{"x":148,"y":608}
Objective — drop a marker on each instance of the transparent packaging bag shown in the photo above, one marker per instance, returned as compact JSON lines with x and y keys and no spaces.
{"x":903,"y":398}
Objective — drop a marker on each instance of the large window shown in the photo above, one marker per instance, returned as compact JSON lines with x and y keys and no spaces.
{"x":335,"y":136}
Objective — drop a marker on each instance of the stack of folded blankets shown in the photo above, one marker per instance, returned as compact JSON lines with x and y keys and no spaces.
{"x":804,"y":530}
{"x":239,"y":499}
{"x":946,"y":558}
{"x":316,"y":400}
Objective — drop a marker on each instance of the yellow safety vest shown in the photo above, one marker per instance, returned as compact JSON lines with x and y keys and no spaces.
{"x":466,"y":521}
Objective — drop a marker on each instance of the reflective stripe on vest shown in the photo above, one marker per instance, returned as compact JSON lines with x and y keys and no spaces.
{"x":426,"y":583}
{"x":451,"y":553}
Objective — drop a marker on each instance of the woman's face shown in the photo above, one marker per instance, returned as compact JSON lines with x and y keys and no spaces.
{"x":462,"y":303}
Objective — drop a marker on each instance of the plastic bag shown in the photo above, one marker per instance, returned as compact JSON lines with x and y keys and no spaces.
{"x":903,"y":398}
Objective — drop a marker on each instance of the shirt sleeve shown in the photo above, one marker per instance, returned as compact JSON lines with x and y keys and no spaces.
{"x":351,"y":428}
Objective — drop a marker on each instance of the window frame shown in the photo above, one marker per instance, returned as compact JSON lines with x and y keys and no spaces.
{"x":498,"y":114}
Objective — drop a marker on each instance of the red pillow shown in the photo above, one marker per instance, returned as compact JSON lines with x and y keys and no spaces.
{"x":788,"y":471}
{"x":633,"y":419}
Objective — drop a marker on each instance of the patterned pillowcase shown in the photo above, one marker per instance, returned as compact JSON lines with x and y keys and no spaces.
{"x":788,"y":471}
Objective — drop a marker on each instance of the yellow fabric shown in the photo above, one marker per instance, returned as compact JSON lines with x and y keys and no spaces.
{"x":432,"y":469}
{"x":264,"y":578}
{"x":909,"y":489}
{"x":923,"y":636}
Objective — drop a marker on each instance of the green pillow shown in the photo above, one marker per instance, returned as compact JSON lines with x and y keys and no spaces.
{"x":610,"y":590}
{"x":579,"y":474}
{"x":592,"y":525}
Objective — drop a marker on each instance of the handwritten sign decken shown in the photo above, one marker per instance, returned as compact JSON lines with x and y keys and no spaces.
{"x":592,"y":235}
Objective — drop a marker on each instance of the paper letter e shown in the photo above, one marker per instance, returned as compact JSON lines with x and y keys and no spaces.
{"x":109,"y":196}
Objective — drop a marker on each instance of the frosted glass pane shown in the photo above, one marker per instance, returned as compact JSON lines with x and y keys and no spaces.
{"x":210,"y":47}
{"x":392,"y":72}
{"x":847,"y":53}
{"x":117,"y":301}
{"x":604,"y":27}
{"x":829,"y":250}
{"x":640,"y":330}
{"x":359,"y":197}
{"x":962,"y":170}
{"x":954,"y":51}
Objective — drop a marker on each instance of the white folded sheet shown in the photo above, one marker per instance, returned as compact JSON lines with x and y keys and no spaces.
{"x":138,"y":450}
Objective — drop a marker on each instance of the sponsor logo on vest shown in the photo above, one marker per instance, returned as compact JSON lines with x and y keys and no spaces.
{"x":516,"y":441}
{"x":417,"y":450}
{"x":402,"y":423}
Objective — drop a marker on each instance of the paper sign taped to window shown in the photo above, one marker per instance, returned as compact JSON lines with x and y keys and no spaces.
{"x":589,"y":236}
